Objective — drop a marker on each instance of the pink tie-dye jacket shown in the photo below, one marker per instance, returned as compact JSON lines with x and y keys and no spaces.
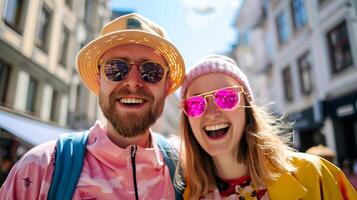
{"x":107,"y":172}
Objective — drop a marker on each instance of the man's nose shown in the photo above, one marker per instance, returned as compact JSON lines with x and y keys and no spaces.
{"x":133,"y":79}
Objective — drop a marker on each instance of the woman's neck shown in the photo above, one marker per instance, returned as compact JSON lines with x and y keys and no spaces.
{"x":228,"y":167}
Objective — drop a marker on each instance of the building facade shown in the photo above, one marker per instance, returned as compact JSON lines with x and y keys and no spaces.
{"x":40,"y":94}
{"x":167,"y":124}
{"x":306,"y":53}
{"x":84,"y":109}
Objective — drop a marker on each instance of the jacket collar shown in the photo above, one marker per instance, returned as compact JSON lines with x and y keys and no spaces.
{"x":286,"y":187}
{"x":101,"y":147}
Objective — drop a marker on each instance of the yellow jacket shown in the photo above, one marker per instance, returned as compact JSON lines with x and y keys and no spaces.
{"x":314,"y":179}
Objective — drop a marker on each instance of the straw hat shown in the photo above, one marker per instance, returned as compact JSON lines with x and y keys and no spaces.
{"x":129,"y":29}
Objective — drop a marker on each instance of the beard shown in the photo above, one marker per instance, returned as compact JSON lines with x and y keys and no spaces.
{"x":131,"y":124}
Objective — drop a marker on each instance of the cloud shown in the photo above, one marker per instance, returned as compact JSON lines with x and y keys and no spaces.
{"x":200,"y":12}
{"x":210,"y":5}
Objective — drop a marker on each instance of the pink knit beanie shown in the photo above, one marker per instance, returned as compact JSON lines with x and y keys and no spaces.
{"x":216,"y":64}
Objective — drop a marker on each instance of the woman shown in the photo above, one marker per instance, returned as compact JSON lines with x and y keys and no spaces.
{"x":234,"y":149}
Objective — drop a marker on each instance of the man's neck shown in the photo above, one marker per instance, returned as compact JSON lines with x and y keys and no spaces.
{"x":143,"y":140}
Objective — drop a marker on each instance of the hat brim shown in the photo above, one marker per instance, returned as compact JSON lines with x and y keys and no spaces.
{"x":89,"y":57}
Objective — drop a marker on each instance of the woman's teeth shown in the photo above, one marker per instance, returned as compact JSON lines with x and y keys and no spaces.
{"x":131,"y":100}
{"x":216,"y":127}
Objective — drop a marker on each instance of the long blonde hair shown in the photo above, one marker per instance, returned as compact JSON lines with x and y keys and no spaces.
{"x":263,"y":148}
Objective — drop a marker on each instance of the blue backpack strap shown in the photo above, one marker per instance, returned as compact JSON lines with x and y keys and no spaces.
{"x":170,"y":156}
{"x":70,"y":152}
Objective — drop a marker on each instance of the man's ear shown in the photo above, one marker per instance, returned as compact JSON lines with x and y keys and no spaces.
{"x":168,"y":85}
{"x":97,"y":79}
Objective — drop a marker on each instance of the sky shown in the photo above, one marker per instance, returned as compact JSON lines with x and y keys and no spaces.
{"x":196,"y":27}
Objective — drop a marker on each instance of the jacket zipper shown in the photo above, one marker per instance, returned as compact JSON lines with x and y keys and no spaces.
{"x":133,"y":153}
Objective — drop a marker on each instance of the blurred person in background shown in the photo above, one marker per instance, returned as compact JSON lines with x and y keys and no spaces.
{"x":322,"y":151}
{"x":348,"y":169}
{"x":5,"y":167}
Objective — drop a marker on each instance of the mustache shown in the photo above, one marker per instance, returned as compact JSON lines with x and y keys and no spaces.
{"x":140,"y":92}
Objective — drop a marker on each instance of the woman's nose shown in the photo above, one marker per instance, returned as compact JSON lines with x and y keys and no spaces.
{"x":212,"y":110}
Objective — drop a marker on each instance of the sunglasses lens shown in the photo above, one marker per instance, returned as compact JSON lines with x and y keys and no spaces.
{"x":151,"y":72}
{"x":226,"y":98}
{"x":194,"y":106}
{"x":116,"y":70}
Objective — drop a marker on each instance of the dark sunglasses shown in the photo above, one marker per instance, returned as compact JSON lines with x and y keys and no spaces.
{"x":225,"y":98}
{"x":117,"y":69}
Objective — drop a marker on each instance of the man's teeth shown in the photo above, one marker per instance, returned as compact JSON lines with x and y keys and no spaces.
{"x":216,"y":127}
{"x":131,"y":100}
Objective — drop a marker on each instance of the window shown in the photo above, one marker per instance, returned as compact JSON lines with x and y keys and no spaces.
{"x":305,"y":73}
{"x":299,"y":13}
{"x":43,"y":26}
{"x":88,"y":11}
{"x":13,"y":14}
{"x":245,"y":37}
{"x":79,"y":91}
{"x":54,"y":105}
{"x":69,"y":3}
{"x":321,"y":2}
{"x":4,"y":78}
{"x":282,"y":27}
{"x":339,"y":47}
{"x":64,"y":46}
{"x":269,"y":44}
{"x":265,"y":7}
{"x":288,"y":87}
{"x":31,"y":95}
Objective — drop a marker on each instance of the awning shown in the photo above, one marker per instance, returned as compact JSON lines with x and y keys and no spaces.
{"x":308,"y":119}
{"x":32,"y":131}
{"x":344,"y":106}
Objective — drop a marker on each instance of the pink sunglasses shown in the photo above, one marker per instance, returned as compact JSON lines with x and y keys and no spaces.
{"x":225,"y":98}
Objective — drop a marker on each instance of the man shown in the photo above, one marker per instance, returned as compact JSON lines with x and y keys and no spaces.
{"x":5,"y":167}
{"x":132,"y":67}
